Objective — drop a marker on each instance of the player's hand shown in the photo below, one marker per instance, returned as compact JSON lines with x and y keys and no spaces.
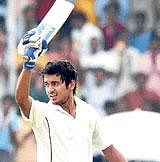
{"x":31,"y":47}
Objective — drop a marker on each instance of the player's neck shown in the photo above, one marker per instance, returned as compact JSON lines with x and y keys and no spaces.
{"x":70,"y":106}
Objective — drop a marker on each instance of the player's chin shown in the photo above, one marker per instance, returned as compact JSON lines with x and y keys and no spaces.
{"x":54,"y":101}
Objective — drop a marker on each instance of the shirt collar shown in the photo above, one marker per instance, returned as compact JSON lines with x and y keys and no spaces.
{"x":59,"y":108}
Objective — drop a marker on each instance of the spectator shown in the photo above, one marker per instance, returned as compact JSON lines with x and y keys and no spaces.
{"x":141,"y":97}
{"x":83,"y":32}
{"x":140,"y":37}
{"x":87,"y":8}
{"x":99,"y":77}
{"x":125,"y":61}
{"x":99,"y":88}
{"x":148,"y":8}
{"x":113,"y":25}
{"x":150,"y":63}
{"x":95,"y":50}
{"x":101,"y":15}
{"x":9,"y":126}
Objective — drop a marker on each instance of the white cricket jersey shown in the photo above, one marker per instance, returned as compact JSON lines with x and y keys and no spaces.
{"x":62,"y":138}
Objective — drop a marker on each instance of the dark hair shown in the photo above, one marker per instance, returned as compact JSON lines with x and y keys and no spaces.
{"x":63,"y":68}
{"x":123,"y":35}
{"x":141,"y":15}
{"x":112,"y":6}
{"x":78,"y":15}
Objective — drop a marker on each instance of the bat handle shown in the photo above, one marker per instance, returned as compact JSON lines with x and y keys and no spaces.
{"x":29,"y":55}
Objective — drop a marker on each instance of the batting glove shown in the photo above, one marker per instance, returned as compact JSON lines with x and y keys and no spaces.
{"x":31,"y":46}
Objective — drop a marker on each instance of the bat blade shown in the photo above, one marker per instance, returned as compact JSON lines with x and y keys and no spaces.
{"x":54,"y":19}
{"x":51,"y":23}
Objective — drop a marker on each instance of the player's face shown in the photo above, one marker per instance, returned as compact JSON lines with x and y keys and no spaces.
{"x":56,"y":89}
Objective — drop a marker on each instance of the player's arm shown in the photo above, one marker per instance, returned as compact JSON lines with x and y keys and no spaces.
{"x":22,"y":91}
{"x":31,"y":46}
{"x":113,"y":155}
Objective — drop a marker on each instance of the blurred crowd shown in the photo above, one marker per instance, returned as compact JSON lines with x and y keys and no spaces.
{"x":115,"y":46}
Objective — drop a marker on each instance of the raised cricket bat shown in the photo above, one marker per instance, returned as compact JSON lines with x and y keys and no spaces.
{"x":53,"y":21}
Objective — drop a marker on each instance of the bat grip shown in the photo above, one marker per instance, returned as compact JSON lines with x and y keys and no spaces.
{"x":29,"y":55}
